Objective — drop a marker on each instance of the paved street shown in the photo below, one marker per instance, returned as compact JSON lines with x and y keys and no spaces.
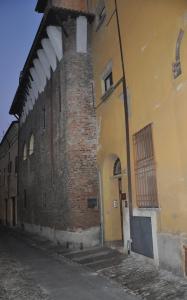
{"x":31,"y":273}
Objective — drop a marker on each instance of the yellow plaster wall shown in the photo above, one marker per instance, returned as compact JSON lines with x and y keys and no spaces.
{"x":110,"y":119}
{"x":149,"y":32}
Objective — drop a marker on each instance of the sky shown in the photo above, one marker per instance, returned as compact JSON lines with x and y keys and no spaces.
{"x":18,"y":26}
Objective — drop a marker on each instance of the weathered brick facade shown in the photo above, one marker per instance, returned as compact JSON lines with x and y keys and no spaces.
{"x":8,"y":176}
{"x":58,"y":178}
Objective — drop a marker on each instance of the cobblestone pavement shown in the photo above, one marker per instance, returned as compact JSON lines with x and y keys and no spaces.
{"x":135,"y":274}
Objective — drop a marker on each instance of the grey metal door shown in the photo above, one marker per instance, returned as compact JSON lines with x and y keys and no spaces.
{"x":142,"y":240}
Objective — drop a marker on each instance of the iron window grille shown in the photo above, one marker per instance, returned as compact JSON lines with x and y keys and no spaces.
{"x":145,"y":171}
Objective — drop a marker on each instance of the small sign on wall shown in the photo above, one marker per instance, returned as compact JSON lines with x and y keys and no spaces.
{"x":115,"y":204}
{"x":92,"y":202}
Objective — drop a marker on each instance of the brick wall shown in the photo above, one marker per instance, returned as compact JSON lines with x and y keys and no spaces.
{"x":61,"y":174}
{"x":80,"y":5}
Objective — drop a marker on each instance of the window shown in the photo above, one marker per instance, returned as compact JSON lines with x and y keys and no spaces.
{"x":100,"y":14}
{"x":117,"y":167}
{"x":145,"y":173}
{"x":25,"y":152}
{"x":16,"y":164}
{"x":108,"y":82}
{"x":31,"y":145}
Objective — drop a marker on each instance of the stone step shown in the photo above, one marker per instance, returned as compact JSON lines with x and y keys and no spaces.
{"x":79,"y":253}
{"x":94,"y":257}
{"x":105,"y":263}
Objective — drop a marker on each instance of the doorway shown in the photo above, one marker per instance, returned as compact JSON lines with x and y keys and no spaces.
{"x":112,"y":195}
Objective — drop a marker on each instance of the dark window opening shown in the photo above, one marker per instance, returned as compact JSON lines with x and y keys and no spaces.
{"x":92,"y":202}
{"x":108,"y":81}
{"x":117,"y":167}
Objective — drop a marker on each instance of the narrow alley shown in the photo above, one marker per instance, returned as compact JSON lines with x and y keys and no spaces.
{"x":29,"y":273}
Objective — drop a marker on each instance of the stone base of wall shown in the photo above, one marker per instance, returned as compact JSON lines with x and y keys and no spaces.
{"x":171,"y":252}
{"x":72,"y":239}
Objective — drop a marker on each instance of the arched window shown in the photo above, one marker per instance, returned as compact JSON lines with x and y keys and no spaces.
{"x":117,"y":167}
{"x":31,"y":145}
{"x":25,"y":152}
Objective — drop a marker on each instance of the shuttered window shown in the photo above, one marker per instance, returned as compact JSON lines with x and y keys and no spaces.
{"x":145,"y":173}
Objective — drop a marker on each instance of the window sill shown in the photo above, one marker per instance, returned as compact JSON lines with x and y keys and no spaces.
{"x":107,"y":93}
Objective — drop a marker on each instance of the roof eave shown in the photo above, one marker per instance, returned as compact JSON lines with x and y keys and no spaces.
{"x":50,"y":18}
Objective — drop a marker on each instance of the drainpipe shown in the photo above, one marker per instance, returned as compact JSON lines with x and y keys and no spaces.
{"x":126,"y":111}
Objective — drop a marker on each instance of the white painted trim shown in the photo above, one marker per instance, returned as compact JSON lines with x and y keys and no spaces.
{"x":30,"y":103}
{"x":152,"y":213}
{"x":81,"y":34}
{"x":31,"y":94}
{"x":40,"y":73}
{"x":55,"y":35}
{"x":36,"y":79}
{"x":26,"y":108}
{"x":34,"y":88}
{"x":44,"y":62}
{"x":50,"y":53}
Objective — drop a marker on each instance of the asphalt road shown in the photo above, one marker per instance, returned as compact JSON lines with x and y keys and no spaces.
{"x":29,"y":273}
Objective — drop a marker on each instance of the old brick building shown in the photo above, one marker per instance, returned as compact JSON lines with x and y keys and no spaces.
{"x":58,"y":181}
{"x":8,"y":175}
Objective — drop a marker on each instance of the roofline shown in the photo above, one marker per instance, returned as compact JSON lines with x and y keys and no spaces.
{"x":40,"y":6}
{"x":50,"y":17}
{"x":8,"y":130}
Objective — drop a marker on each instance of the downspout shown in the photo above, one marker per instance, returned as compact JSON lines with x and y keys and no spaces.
{"x":126,"y":111}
